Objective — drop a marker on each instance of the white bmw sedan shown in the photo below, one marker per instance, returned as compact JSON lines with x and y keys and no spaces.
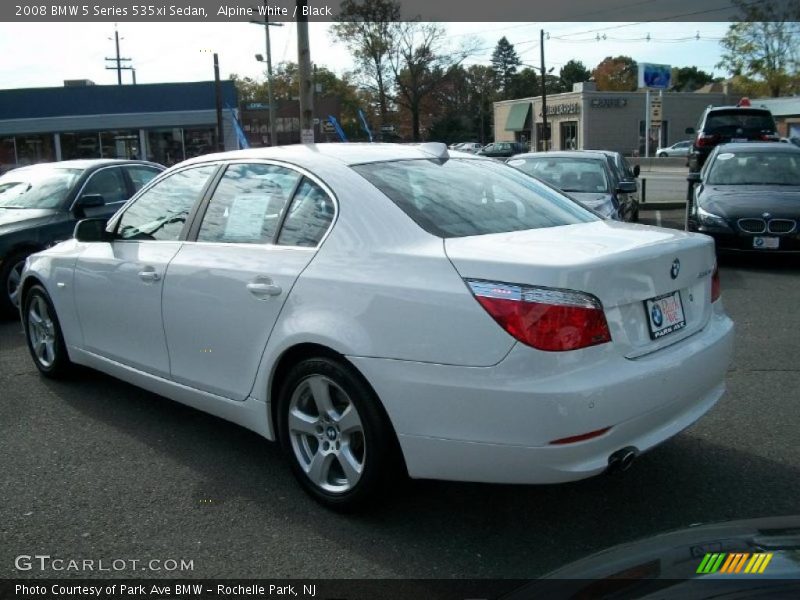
{"x":381,"y":309}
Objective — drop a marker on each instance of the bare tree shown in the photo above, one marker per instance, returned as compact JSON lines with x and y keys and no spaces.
{"x":420,"y":63}
{"x":369,"y":29}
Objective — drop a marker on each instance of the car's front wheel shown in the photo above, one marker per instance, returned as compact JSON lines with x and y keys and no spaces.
{"x":43,"y":334}
{"x":332,"y":428}
{"x":10,"y":277}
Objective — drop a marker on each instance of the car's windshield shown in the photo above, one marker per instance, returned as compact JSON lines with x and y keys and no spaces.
{"x":755,"y":168}
{"x":567,"y":174}
{"x":463,"y":197}
{"x":37,"y":187}
{"x":740,"y":121}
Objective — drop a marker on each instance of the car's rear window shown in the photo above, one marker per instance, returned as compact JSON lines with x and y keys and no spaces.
{"x":463,"y":197}
{"x":730,"y":122}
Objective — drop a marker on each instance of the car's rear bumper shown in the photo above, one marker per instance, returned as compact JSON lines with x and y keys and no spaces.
{"x":494,"y":424}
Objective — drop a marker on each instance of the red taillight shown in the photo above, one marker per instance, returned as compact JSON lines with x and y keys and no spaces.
{"x":544,"y":318}
{"x":716,"y":290}
{"x":770,"y":137}
{"x":744,"y":102}
{"x":706,"y":139}
{"x":580,"y":438}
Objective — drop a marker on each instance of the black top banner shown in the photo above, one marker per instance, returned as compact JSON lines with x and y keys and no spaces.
{"x":422,"y":10}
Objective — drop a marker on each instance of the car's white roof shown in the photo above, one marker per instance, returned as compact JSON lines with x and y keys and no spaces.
{"x":310,"y":155}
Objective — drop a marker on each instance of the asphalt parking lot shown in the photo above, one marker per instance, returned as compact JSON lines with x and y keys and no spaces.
{"x":96,"y":469}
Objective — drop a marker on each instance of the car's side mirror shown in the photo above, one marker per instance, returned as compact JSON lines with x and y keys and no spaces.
{"x":636,"y":170}
{"x":627,"y":187}
{"x":87,"y":201}
{"x":92,"y":230}
{"x":693,"y":178}
{"x":689,"y":130}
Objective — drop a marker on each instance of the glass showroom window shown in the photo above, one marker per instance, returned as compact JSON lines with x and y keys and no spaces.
{"x":198,"y":141}
{"x":8,"y":153}
{"x":33,"y":149}
{"x":165,"y":146}
{"x":120,"y":144}
{"x":84,"y":144}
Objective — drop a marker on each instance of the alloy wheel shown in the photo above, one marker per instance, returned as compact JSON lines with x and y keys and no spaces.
{"x":326,"y":434}
{"x":41,"y":332}
{"x":13,"y":281}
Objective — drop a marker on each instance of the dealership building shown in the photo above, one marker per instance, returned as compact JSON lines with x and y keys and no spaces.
{"x":164,"y":122}
{"x":586,"y":119}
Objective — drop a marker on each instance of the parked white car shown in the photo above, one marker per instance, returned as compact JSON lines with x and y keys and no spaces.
{"x":678,"y":149}
{"x":367,"y":303}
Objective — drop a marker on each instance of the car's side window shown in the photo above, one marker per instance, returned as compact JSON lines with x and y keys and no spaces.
{"x":309,"y":217}
{"x":140,"y":175}
{"x":160,"y":213}
{"x":108,"y":183}
{"x":248,"y":204}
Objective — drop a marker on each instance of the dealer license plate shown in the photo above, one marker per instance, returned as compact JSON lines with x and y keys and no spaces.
{"x":665,"y":314}
{"x":766,"y":243}
{"x":738,"y":140}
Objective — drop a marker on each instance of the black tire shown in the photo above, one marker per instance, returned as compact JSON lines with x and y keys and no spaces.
{"x":376,"y":445}
{"x":8,"y":308}
{"x":60,"y":366}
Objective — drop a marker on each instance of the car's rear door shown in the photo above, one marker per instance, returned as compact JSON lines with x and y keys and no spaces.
{"x":119,"y":284}
{"x":227,"y":284}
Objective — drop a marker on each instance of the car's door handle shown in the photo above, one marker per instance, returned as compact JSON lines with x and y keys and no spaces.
{"x":264,"y":288}
{"x":149,"y":275}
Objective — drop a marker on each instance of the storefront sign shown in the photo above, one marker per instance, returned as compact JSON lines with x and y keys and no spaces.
{"x":609,"y":102}
{"x":572,"y":108}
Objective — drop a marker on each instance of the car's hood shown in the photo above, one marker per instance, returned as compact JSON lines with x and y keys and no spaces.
{"x":739,"y":201}
{"x":654,"y":565}
{"x":18,"y":218}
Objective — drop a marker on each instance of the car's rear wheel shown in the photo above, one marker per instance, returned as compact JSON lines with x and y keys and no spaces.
{"x":43,"y":334}
{"x":335,"y":434}
{"x":11,"y":278}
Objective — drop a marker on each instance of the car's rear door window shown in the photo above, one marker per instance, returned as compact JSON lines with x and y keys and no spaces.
{"x":309,"y":216}
{"x":248,"y":203}
{"x":463,"y":197}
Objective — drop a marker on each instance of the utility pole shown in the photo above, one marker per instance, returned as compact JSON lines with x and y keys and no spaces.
{"x":306,"y":83}
{"x":218,"y":90}
{"x":545,"y":135}
{"x":266,"y":24}
{"x":118,"y":59}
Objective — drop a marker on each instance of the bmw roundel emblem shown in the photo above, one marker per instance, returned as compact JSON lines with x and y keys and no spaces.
{"x":676,"y":268}
{"x":657,"y":315}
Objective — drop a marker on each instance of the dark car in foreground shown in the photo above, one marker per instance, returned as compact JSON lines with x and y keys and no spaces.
{"x":40,"y":205}
{"x":590,"y":177}
{"x":748,"y":198}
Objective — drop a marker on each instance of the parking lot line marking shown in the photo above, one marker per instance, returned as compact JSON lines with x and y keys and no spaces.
{"x":658,"y":218}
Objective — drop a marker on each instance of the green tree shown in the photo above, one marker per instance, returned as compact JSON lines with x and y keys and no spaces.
{"x":689,"y":79}
{"x":248,"y":89}
{"x":617,"y":74}
{"x":765,"y":45}
{"x":504,"y":64}
{"x":526,"y":84}
{"x":369,"y":30}
{"x":573,"y":72}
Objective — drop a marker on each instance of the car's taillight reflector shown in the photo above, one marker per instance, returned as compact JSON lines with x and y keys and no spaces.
{"x":544,"y":318}
{"x":716,"y":289}
{"x":580,"y":438}
{"x":706,"y":139}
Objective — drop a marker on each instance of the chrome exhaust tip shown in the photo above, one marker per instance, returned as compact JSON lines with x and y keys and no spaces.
{"x":621,"y":460}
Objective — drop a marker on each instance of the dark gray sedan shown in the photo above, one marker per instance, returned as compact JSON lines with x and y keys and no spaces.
{"x":590,"y":177}
{"x":40,"y":204}
{"x":747,"y":197}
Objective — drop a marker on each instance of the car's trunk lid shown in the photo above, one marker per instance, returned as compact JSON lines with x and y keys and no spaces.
{"x":623,"y":265}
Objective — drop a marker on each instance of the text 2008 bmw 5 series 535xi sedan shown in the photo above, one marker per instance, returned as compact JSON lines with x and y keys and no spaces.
{"x":381,"y":309}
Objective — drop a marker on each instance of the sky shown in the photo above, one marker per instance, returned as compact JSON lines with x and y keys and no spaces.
{"x":45,"y":54}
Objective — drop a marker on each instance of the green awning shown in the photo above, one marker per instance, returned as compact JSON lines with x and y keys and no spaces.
{"x":517,"y":116}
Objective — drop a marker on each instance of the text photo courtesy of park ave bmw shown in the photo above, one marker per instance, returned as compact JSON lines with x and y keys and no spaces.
{"x":399,"y":299}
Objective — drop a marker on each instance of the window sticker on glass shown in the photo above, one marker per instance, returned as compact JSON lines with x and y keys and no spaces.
{"x":246,"y":216}
{"x":516,"y":163}
{"x":725,"y":156}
